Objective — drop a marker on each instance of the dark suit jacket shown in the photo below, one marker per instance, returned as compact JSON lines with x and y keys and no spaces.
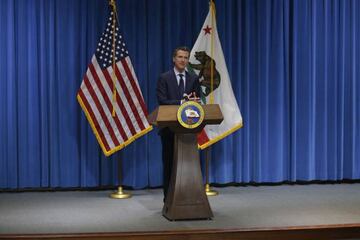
{"x":167,"y":92}
{"x":167,"y":89}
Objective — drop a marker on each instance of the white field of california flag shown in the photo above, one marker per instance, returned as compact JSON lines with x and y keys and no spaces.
{"x":215,"y":82}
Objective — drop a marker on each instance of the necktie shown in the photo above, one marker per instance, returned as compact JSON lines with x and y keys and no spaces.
{"x":181,"y":85}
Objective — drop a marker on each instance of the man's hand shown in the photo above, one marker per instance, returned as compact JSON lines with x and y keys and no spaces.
{"x":191,"y":97}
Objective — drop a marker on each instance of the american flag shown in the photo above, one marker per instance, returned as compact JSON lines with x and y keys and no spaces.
{"x":113,"y":130}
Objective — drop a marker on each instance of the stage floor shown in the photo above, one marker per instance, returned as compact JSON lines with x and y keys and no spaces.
{"x":262,"y":207}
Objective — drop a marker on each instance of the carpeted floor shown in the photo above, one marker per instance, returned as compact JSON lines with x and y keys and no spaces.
{"x":234,"y":208}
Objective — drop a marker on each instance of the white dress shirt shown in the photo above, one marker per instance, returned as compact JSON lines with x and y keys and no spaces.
{"x":178,"y":77}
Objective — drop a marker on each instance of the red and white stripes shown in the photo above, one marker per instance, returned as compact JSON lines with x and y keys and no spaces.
{"x":96,"y":98}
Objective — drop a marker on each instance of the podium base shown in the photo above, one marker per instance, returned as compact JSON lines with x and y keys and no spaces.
{"x":186,"y":198}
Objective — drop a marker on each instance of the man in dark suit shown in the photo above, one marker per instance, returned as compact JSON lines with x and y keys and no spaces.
{"x":173,"y":88}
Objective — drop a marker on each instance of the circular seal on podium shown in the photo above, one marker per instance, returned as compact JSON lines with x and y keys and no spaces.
{"x":190,"y":114}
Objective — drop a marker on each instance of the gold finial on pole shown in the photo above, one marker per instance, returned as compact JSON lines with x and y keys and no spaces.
{"x":112,"y":3}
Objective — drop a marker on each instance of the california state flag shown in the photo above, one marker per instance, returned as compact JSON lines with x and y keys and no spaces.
{"x":215,"y":82}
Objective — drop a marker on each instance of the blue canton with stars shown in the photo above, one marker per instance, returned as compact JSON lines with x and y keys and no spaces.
{"x":104,"y":51}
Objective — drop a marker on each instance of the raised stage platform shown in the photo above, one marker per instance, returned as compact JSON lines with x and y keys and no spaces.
{"x":325,"y":211}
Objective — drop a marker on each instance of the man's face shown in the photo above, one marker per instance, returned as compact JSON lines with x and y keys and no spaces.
{"x":181,"y":60}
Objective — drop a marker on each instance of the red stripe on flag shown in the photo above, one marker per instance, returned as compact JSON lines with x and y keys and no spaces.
{"x":202,"y":138}
{"x":107,"y":101}
{"x":129,"y":98}
{"x":101,"y":110}
{"x":94,"y":120}
{"x":134,"y":86}
{"x":120,"y":103}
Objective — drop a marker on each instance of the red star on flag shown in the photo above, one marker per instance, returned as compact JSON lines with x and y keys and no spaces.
{"x":207,"y":29}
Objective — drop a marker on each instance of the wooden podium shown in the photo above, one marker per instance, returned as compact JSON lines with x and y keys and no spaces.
{"x":186,"y":198}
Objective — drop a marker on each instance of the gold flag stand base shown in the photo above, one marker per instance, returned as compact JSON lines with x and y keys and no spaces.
{"x":119,"y":194}
{"x":210,"y":192}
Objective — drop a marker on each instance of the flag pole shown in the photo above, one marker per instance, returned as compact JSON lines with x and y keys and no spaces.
{"x":112,"y":3}
{"x":120,"y":194}
{"x":208,"y":190}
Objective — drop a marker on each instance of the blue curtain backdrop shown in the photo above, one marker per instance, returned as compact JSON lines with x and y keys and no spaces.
{"x":294,"y":67}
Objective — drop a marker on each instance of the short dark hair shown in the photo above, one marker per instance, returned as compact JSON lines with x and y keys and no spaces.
{"x":182,"y":48}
